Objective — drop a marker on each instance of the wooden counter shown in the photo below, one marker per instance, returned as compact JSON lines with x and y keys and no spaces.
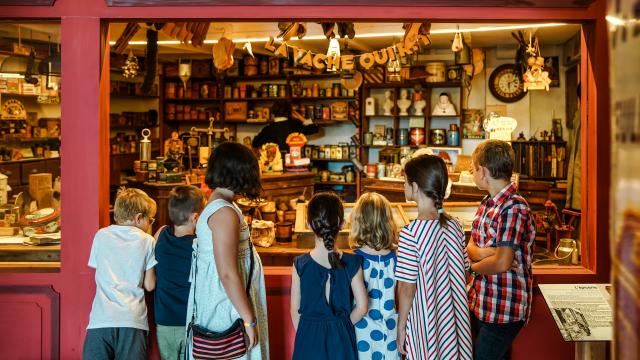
{"x":285,"y":186}
{"x":24,"y":258}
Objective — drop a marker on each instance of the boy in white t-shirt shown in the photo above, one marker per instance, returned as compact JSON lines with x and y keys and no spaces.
{"x":123,"y":256}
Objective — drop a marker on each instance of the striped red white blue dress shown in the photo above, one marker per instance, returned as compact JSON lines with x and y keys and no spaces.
{"x":435,"y":258}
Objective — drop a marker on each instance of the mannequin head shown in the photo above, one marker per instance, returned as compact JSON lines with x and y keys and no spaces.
{"x":403,"y":94}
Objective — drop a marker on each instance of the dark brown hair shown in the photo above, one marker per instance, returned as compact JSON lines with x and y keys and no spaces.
{"x":325,"y":215}
{"x":429,"y":172}
{"x":497,"y":156}
{"x":233,"y":166}
{"x":185,"y":200}
{"x":281,"y":108}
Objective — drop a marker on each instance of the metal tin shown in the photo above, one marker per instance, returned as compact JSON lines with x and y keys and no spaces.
{"x":324,"y":175}
{"x":153,"y":165}
{"x":327,"y":152}
{"x":368,"y":138}
{"x":403,"y":136}
{"x":307,"y":151}
{"x":317,"y":113}
{"x":333,"y":151}
{"x":371,"y":171}
{"x":345,"y":152}
{"x":282,"y":91}
{"x":314,"y":152}
{"x":389,"y":169}
{"x":438,"y":137}
{"x":326,"y":113}
{"x":388,"y":134}
{"x":453,"y":138}
{"x":381,"y":170}
{"x":338,"y":152}
{"x":416,"y":136}
{"x":153,"y":175}
{"x":321,"y":152}
{"x":353,"y":151}
{"x":308,"y":112}
{"x":336,"y":89}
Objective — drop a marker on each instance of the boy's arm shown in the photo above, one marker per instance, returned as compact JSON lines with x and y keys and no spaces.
{"x":511,"y":230}
{"x":149,"y":282}
{"x":295,"y":298}
{"x":477,"y":253}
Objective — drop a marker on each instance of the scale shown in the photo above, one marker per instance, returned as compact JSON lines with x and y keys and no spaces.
{"x":204,"y":140}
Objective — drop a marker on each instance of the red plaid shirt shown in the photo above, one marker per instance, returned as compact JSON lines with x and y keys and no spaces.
{"x":504,"y":220}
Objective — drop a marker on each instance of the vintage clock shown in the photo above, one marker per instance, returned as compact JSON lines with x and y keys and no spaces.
{"x":505,"y":84}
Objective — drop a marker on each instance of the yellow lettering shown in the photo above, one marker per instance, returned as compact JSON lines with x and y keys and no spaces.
{"x":269,"y":45}
{"x":307,"y":59}
{"x":347,"y":62}
{"x":319,"y":61}
{"x":282,"y":50}
{"x":381,"y":56}
{"x":367,"y":60}
{"x":333,"y":62}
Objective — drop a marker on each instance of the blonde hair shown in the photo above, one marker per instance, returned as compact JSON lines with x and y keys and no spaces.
{"x":131,"y":202}
{"x":372,"y":223}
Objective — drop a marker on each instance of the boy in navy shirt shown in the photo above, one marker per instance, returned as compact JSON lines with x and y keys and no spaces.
{"x":173,"y":253}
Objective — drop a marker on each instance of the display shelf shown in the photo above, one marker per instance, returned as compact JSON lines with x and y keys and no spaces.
{"x":207,"y":100}
{"x":385,"y":146}
{"x":444,"y":116}
{"x":20,"y":94}
{"x":132,"y":126}
{"x":133,"y":97}
{"x":19,"y":140}
{"x":255,"y":99}
{"x":334,"y":183}
{"x":331,"y":160}
{"x":320,"y":98}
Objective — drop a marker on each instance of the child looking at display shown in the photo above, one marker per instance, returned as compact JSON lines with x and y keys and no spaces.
{"x":173,"y":253}
{"x":372,"y":234}
{"x":500,"y":247}
{"x":123,"y":257}
{"x":433,"y":316}
{"x":324,"y":284}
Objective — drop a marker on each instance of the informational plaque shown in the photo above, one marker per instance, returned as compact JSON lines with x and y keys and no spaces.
{"x":582,"y":311}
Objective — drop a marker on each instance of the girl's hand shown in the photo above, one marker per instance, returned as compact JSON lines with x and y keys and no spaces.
{"x":402,"y":335}
{"x":252,"y":337}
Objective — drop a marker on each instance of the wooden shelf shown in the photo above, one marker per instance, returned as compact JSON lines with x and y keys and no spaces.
{"x":20,"y":94}
{"x":17,"y":140}
{"x":410,"y":84}
{"x":208,"y":100}
{"x":444,"y":116}
{"x":303,"y":98}
{"x":334,"y":183}
{"x":331,"y":160}
{"x":132,"y":126}
{"x":124,"y":96}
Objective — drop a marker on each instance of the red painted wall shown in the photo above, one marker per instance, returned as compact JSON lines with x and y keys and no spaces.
{"x":55,"y":307}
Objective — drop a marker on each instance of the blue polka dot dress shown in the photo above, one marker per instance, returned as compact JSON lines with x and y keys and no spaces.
{"x":325,"y":331}
{"x":376,"y":332}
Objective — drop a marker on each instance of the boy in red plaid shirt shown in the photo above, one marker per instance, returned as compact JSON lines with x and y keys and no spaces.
{"x":500,"y":249}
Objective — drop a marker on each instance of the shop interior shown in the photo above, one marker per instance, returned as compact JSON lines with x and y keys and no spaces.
{"x":177,"y":89}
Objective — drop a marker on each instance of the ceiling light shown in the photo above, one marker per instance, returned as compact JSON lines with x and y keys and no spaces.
{"x":372,"y":35}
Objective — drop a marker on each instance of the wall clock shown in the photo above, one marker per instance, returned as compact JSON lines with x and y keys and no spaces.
{"x":505,"y":84}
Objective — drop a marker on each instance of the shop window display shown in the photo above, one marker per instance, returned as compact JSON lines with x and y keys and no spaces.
{"x":30,"y":123}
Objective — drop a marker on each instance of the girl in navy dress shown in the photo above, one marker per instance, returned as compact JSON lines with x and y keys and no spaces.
{"x":324,"y":284}
{"x":373,"y":233}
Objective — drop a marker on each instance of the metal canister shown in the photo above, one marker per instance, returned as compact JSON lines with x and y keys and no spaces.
{"x":453,"y":138}
{"x":327,"y":152}
{"x":317,"y":113}
{"x":160,"y":164}
{"x":388,"y":134}
{"x":333,"y":151}
{"x":371,"y":171}
{"x":416,"y":136}
{"x":145,"y":145}
{"x":389,"y":169}
{"x":308,"y":112}
{"x":438,"y":137}
{"x":321,"y":152}
{"x":336,"y":90}
{"x":324,"y":175}
{"x":349,"y":174}
{"x":353,"y":152}
{"x":345,"y":152}
{"x":381,"y":170}
{"x":403,"y":136}
{"x":314,"y":152}
{"x":307,"y":151}
{"x":326,"y":113}
{"x":338,"y":152}
{"x":282,"y":91}
{"x":368,"y":138}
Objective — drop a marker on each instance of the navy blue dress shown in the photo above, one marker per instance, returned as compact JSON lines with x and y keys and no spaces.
{"x":325,"y":331}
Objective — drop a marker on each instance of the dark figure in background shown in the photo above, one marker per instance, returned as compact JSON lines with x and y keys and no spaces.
{"x":285,"y":122}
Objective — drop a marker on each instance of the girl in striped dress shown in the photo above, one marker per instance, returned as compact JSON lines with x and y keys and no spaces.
{"x":433,"y":316}
{"x":373,"y":233}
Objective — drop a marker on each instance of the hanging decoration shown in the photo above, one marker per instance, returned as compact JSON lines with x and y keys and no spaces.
{"x":413,"y":30}
{"x":223,"y":54}
{"x":247,"y":46}
{"x":535,"y":78}
{"x":130,"y":67}
{"x":333,"y":52}
{"x":151,"y":61}
{"x":345,"y":29}
{"x":365,"y":61}
{"x":184,"y":72}
{"x":291,"y":29}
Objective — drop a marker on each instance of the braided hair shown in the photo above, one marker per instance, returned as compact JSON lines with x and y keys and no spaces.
{"x":429,"y":172}
{"x":325,"y":216}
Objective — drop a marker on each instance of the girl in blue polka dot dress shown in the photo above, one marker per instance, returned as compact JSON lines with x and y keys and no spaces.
{"x":372,"y":234}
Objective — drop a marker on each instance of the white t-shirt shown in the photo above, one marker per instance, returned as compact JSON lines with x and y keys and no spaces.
{"x":121,"y":255}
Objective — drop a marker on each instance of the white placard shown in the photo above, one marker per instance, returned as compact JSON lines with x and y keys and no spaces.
{"x":582,"y":311}
{"x":500,"y":127}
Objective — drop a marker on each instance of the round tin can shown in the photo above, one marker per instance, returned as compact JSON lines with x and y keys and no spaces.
{"x":307,"y":151}
{"x":345,"y":152}
{"x":136,"y":165}
{"x":324,"y":175}
{"x":314,"y":152}
{"x":333,"y":152}
{"x":326,"y":113}
{"x":327,"y":152}
{"x":382,"y":168}
{"x":317,"y":113}
{"x":438,"y":136}
{"x":416,"y":136}
{"x":371,"y":171}
{"x":368,"y":138}
{"x":453,"y":138}
{"x":388,"y":135}
{"x":338,"y":152}
{"x":349,"y":175}
{"x":144,"y":165}
{"x":403,"y":136}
